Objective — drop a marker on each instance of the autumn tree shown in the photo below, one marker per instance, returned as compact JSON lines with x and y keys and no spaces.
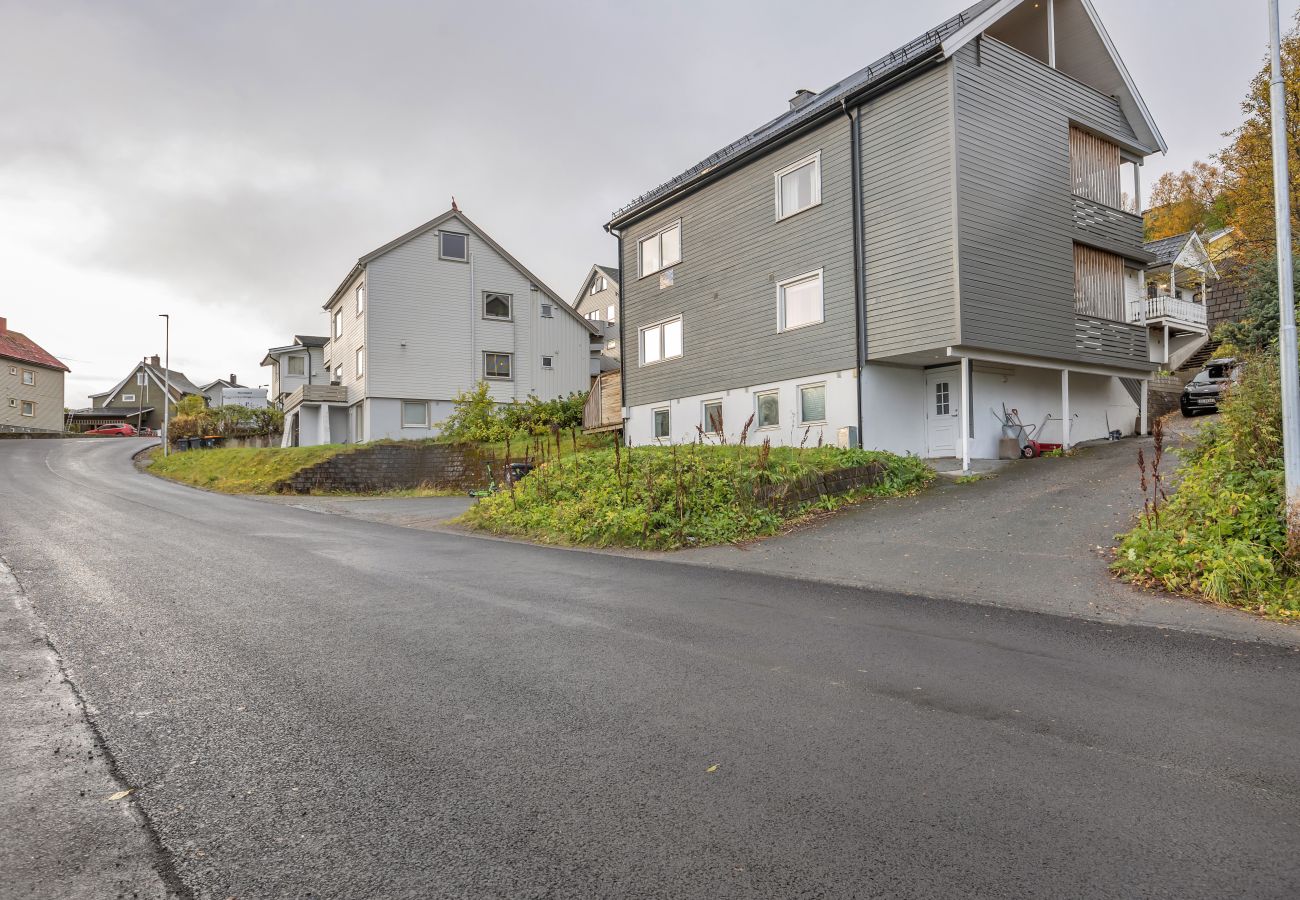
{"x":1247,"y":163}
{"x":1187,"y":201}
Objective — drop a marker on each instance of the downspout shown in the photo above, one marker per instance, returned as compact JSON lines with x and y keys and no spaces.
{"x":859,"y":289}
{"x":622,"y":342}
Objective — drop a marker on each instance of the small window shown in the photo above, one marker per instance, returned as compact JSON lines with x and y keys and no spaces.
{"x":361,"y":299}
{"x":361,"y":361}
{"x":662,"y":341}
{"x":415,"y":414}
{"x":942,"y":399}
{"x":662,"y":424}
{"x":29,"y":377}
{"x":297,"y":365}
{"x":13,"y":370}
{"x":610,"y":345}
{"x":496,"y":306}
{"x":128,"y":398}
{"x":768,"y":411}
{"x":799,"y":186}
{"x":453,"y":245}
{"x":548,"y":362}
{"x":29,"y":408}
{"x":13,"y":402}
{"x":547,"y":311}
{"x":611,"y":313}
{"x":812,"y":404}
{"x":338,"y":323}
{"x":800,"y":301}
{"x":139,"y":377}
{"x":496,"y":365}
{"x":661,"y":250}
{"x":713,"y":417}
{"x":338,"y":372}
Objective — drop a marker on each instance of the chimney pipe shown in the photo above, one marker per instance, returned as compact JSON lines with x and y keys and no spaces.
{"x":4,"y":324}
{"x":155,"y":361}
{"x":233,"y":379}
{"x":801,"y":96}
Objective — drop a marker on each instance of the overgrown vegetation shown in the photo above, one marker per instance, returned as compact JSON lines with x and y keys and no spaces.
{"x":1222,"y":535}
{"x":478,"y":418}
{"x":241,"y":470}
{"x":194,"y":419}
{"x":663,"y":498}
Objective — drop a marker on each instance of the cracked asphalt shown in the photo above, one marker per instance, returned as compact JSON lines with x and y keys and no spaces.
{"x":321,"y":706}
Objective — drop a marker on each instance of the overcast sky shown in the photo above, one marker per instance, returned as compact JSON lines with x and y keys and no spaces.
{"x":228,"y":162}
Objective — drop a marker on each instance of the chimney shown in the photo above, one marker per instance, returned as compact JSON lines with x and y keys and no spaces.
{"x":801,"y":96}
{"x":155,"y":361}
{"x":233,"y":378}
{"x":4,"y":324}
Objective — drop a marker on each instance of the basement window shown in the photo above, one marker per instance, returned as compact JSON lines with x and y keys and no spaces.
{"x":415,"y":414}
{"x":662,"y":423}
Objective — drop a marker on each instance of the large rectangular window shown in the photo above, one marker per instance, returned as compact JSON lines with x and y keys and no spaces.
{"x":415,"y":414}
{"x":661,"y":249}
{"x":661,"y":341}
{"x":496,"y":365}
{"x":297,"y":365}
{"x":662,"y":424}
{"x":453,"y":245}
{"x":29,"y":408}
{"x":767,"y":409}
{"x":799,"y":186}
{"x":800,"y":301}
{"x":29,"y":377}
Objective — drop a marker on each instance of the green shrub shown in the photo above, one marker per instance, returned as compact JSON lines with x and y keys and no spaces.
{"x":1222,"y":534}
{"x":670,"y":497}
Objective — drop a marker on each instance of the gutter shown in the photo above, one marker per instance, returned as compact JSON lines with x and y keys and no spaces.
{"x":859,"y":287}
{"x":866,"y":92}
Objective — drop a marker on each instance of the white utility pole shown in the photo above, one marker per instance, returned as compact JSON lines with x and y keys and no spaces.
{"x":1285,"y":276}
{"x":167,"y":383}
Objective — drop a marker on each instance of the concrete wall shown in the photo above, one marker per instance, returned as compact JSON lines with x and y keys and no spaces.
{"x":893,"y":409}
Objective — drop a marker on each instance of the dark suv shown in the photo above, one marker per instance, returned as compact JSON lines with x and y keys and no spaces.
{"x":1202,"y":392}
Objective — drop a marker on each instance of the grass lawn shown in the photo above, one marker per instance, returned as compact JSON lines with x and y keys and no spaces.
{"x":663,"y":498}
{"x":240,"y":470}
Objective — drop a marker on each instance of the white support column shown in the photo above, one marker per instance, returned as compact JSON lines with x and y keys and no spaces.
{"x":1166,"y":353}
{"x":323,"y":424}
{"x":965,"y":415}
{"x":1051,"y":33}
{"x":1065,"y":408}
{"x":1146,"y":388}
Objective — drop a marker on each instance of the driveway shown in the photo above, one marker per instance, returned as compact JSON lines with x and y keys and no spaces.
{"x":316,"y":705}
{"x":1035,"y":536}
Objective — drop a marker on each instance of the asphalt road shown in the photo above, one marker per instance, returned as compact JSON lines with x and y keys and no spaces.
{"x":316,"y":706}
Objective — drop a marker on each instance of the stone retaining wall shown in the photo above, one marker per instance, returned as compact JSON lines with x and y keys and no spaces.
{"x":791,"y":494}
{"x":393,"y":466}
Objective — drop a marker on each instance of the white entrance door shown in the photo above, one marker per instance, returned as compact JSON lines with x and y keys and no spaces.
{"x":943,"y":411}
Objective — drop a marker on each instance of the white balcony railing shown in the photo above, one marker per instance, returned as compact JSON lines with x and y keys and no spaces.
{"x":1166,"y":308}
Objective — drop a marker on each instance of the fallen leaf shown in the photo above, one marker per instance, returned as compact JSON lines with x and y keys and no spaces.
{"x":121,"y":795}
{"x":712,"y":768}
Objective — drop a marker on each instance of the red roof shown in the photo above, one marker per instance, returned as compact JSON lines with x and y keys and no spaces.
{"x":16,"y":345}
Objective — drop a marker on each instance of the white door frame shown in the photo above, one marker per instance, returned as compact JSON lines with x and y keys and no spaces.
{"x":952,"y":376}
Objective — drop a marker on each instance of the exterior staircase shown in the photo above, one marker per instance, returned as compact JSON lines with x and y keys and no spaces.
{"x":1197,"y":360}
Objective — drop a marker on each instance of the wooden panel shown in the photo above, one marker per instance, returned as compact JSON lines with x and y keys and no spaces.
{"x":1094,"y":168}
{"x":1098,"y":284}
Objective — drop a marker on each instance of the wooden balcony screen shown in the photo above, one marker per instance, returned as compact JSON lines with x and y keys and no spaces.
{"x":1099,"y":284}
{"x":1094,"y":168}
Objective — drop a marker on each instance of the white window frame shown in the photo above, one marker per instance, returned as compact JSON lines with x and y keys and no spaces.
{"x":704,"y":415}
{"x":423,"y":404}
{"x":361,"y":362}
{"x":781,"y":286}
{"x":510,"y":306}
{"x":140,"y":378}
{"x":338,"y":323}
{"x":360,"y":294}
{"x":758,"y":396}
{"x":803,"y":420}
{"x":29,"y":377}
{"x":28,"y":404}
{"x":509,"y":356}
{"x":548,"y":361}
{"x":13,"y":402}
{"x":816,"y":160}
{"x":659,"y":325}
{"x":658,"y":236}
{"x":611,"y":313}
{"x":290,"y":360}
{"x":462,"y":259}
{"x":654,"y":419}
{"x":338,"y":373}
{"x":128,"y":398}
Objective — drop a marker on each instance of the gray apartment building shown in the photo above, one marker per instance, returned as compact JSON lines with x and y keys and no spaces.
{"x":951,"y":230}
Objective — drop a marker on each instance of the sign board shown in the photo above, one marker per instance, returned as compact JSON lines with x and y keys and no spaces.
{"x":253,"y":398}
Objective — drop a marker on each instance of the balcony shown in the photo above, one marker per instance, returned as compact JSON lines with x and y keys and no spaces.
{"x":317,"y":393}
{"x":604,"y":410}
{"x":1163,"y":309}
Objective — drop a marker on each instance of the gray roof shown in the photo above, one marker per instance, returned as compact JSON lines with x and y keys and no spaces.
{"x":311,"y":340}
{"x":926,"y":45}
{"x":609,"y":271}
{"x":1166,"y":250}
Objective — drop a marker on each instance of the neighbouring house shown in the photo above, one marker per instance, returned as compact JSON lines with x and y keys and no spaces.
{"x":893,"y":260}
{"x":430,"y":315}
{"x":598,"y":302}
{"x":1173,"y":300}
{"x":295,"y":365}
{"x":138,"y":399}
{"x":33,"y":384}
{"x":212,"y":390}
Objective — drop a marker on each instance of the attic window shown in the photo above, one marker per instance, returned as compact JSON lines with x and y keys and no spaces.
{"x":546,"y":311}
{"x":453,"y":245}
{"x":496,"y":305}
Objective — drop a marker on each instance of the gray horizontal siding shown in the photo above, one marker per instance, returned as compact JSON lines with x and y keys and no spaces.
{"x":1107,"y":229}
{"x":908,"y":192}
{"x":1016,"y":226}
{"x":733,"y":254}
{"x":1110,"y":343}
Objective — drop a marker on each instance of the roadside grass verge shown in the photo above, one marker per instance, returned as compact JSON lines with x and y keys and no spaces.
{"x":240,"y":470}
{"x":666,"y":498}
{"x":1221,"y":536}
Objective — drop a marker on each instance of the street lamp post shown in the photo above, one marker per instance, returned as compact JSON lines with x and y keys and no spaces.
{"x":167,"y":382}
{"x":1285,"y":275}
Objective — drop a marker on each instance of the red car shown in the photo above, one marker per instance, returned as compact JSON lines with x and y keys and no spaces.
{"x":122,"y":430}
